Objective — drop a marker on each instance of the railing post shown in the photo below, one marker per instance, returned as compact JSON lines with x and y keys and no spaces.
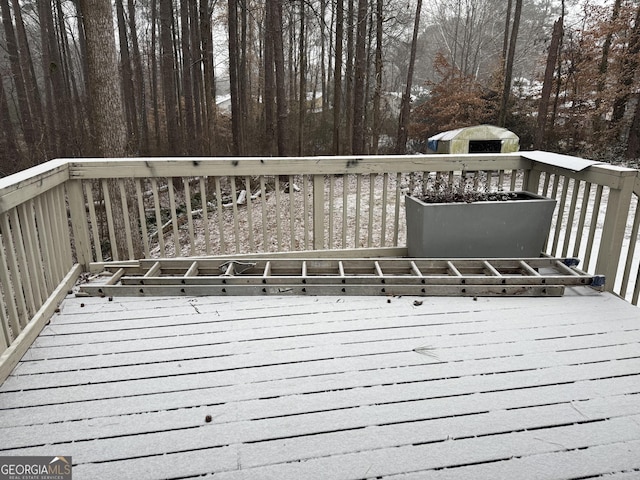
{"x":532,"y":183}
{"x":318,"y":212}
{"x":79,"y":223}
{"x":613,"y":230}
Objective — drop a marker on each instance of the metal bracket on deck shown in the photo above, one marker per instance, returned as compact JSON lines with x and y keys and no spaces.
{"x":392,"y":276}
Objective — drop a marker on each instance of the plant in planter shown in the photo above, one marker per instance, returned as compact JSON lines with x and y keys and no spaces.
{"x":450,"y":219}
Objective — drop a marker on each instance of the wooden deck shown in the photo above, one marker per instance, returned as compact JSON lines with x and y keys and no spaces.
{"x":331,"y":387}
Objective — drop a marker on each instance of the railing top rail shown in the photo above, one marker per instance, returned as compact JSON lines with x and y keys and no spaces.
{"x":27,"y":184}
{"x":176,"y":166}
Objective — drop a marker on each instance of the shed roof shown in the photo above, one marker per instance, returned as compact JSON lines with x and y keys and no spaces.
{"x":477,"y":132}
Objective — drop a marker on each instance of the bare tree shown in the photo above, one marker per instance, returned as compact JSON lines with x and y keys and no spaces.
{"x":337,"y":78}
{"x":405,"y":107}
{"x":234,"y":71}
{"x":168,"y":79}
{"x":281,"y":96}
{"x":357,"y":144}
{"x":17,"y":74}
{"x":508,"y":71}
{"x":543,"y":105}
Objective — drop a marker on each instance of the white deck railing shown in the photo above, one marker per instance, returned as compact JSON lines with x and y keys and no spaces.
{"x":68,"y":216}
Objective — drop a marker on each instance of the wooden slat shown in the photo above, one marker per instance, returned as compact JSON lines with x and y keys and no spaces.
{"x":570,"y":217}
{"x":292,"y":216}
{"x":311,"y":365}
{"x":13,"y":286}
{"x":65,"y":229}
{"x":307,"y":224}
{"x":582,"y":219}
{"x":174,"y":217}
{"x":252,"y":241}
{"x":34,"y":260}
{"x":97,"y":241}
{"x":221,"y":340}
{"x":53,"y":221}
{"x":593,"y":226}
{"x":634,"y":239}
{"x":150,"y":333}
{"x":278,"y":218}
{"x":8,"y":292}
{"x":383,"y":207}
{"x":345,"y":209}
{"x":156,"y":205}
{"x":110,"y":226}
{"x":220,"y":213}
{"x":560,"y":215}
{"x":19,"y":239}
{"x":187,"y":199}
{"x":125,"y":220}
{"x":356,"y":234}
{"x":396,"y":223}
{"x":205,"y":215}
{"x":44,"y":236}
{"x":143,"y":218}
{"x":331,"y":211}
{"x":234,"y":209}
{"x":263,"y":205}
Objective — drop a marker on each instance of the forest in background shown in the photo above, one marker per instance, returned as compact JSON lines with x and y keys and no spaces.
{"x":318,"y":77}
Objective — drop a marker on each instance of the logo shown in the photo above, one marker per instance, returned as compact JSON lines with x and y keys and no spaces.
{"x":35,"y":468}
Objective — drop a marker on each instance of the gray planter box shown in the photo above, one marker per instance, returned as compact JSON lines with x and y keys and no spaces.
{"x":502,"y":229}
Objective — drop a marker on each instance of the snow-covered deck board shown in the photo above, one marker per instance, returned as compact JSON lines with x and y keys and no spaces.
{"x":328,"y":387}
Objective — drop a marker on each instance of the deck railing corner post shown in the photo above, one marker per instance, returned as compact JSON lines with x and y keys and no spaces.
{"x":532,"y":179}
{"x":613,"y":230}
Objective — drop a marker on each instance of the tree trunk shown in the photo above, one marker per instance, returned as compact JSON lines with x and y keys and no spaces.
{"x":60,"y":97}
{"x":154,"y":73}
{"x":543,"y":106}
{"x":31,"y":85}
{"x":196,"y":73}
{"x":139,"y":83}
{"x":357,"y":144}
{"x":505,"y":38}
{"x":508,"y":71}
{"x":187,"y":83}
{"x":337,"y":78}
{"x":281,"y":96}
{"x":52,"y":149}
{"x":107,"y":111}
{"x":74,"y":123}
{"x":8,"y":143}
{"x":168,"y":80}
{"x":127,"y":79}
{"x":303,"y":85}
{"x":377,"y":95}
{"x":234,"y":70}
{"x":270,"y":122}
{"x":26,"y":122}
{"x":405,"y":108}
{"x":209,"y":74}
